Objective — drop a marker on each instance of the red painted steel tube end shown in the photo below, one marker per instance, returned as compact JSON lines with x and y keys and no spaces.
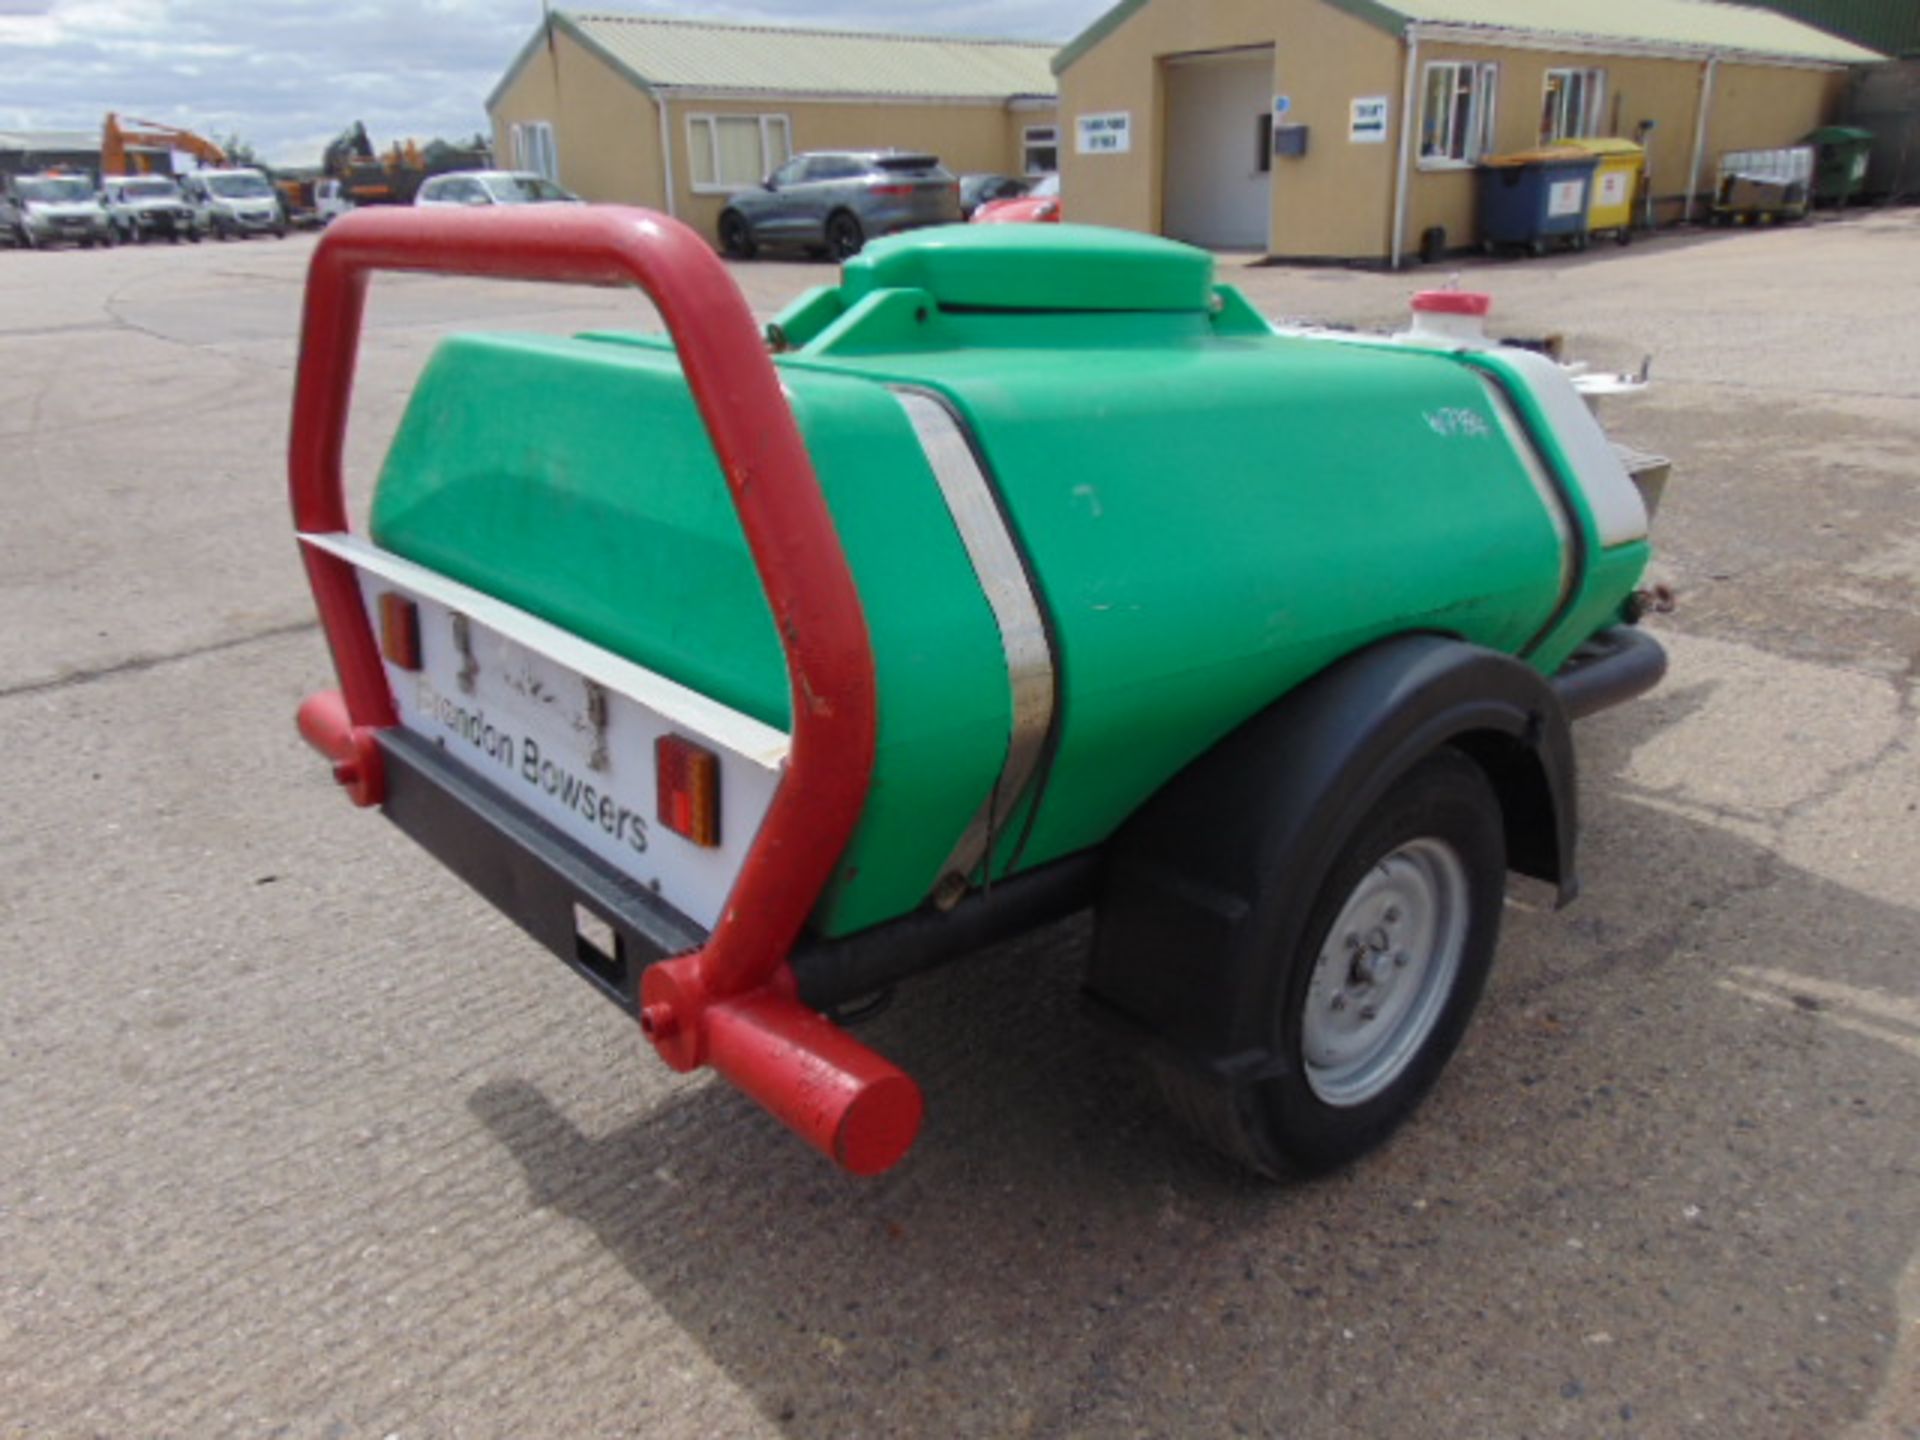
{"x":325,"y":725}
{"x":853,"y":1105}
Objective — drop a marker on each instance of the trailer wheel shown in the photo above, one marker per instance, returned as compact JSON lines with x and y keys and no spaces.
{"x":1371,"y":1004}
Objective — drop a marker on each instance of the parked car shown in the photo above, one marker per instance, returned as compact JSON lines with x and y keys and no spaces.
{"x":978,"y":190}
{"x":836,"y":201}
{"x":1061,"y":579}
{"x":1040,"y":205}
{"x":146,"y":207}
{"x":53,"y":209}
{"x":493,"y":187}
{"x":229,"y":204}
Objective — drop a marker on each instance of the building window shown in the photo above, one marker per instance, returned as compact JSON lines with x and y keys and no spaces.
{"x":533,"y":149}
{"x":1456,"y":119}
{"x":1572,"y":105}
{"x":1040,"y":149}
{"x":729,"y":152}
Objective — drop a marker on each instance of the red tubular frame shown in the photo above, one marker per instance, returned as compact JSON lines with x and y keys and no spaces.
{"x":730,"y":1004}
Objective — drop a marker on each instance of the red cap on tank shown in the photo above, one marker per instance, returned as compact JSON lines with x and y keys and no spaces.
{"x":1452,"y":302}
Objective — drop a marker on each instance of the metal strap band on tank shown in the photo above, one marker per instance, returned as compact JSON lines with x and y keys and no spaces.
{"x":1574,"y":548}
{"x":1536,"y":468}
{"x":996,"y":560}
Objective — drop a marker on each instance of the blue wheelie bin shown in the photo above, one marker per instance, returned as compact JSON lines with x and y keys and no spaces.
{"x":1534,"y":198}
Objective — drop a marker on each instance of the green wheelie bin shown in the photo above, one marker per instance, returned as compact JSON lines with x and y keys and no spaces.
{"x":1840,"y":163}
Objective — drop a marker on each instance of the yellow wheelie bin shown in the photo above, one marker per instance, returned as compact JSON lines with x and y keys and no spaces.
{"x":1616,"y":180}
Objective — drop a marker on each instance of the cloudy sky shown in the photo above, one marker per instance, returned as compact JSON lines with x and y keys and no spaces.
{"x":287,"y":75}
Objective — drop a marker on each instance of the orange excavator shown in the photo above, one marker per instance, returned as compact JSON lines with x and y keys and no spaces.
{"x":370,"y":177}
{"x":148,"y":149}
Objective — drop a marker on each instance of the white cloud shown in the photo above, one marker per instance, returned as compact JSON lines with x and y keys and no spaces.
{"x":288,"y":75}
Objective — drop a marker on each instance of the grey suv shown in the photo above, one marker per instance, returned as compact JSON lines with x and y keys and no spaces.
{"x":838,"y":200}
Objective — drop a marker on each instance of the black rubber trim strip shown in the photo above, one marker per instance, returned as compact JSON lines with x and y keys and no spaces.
{"x":1043,"y":768}
{"x":533,"y":874}
{"x":1613,"y":667}
{"x":1580,"y":551}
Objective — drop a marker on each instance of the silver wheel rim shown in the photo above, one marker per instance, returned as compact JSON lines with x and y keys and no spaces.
{"x":1384,"y":972}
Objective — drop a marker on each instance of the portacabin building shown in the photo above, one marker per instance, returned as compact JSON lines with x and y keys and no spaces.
{"x":676,"y":114}
{"x":1351,"y":129}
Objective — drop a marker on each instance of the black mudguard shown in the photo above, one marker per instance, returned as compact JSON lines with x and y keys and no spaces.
{"x":1210,"y":882}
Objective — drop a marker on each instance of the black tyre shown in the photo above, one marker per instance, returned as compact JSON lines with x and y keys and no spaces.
{"x":736,"y":236}
{"x":193,"y":237}
{"x":26,"y":238}
{"x":1371,"y":1004}
{"x":845,"y":238}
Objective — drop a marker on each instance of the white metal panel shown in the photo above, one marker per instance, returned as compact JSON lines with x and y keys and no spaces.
{"x":759,"y":744}
{"x":1619,"y":514}
{"x":568,"y":730}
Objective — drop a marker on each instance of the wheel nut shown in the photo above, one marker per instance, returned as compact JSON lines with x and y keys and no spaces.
{"x":1392,"y":915}
{"x":1378,"y":941}
{"x":1367,"y":1012}
{"x":1401,"y":961}
{"x":1339,"y":1002}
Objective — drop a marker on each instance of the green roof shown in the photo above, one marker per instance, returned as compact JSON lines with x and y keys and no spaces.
{"x":1703,"y":26}
{"x":662,"y":53}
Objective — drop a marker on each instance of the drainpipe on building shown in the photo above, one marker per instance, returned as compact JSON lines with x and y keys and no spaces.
{"x":666,"y":153}
{"x":1699,"y":136}
{"x":1406,"y":150}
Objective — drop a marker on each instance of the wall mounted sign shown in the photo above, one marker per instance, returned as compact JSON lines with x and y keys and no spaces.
{"x":1367,"y":120}
{"x":1110,"y":134}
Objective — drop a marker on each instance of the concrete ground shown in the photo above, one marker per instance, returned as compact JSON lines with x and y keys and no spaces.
{"x":300,"y":1139}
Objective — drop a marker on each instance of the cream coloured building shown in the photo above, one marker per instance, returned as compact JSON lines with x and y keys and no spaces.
{"x":676,"y":114}
{"x":1283,"y":125}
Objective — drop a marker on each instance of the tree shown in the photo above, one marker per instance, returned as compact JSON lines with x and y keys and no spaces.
{"x":240,"y":152}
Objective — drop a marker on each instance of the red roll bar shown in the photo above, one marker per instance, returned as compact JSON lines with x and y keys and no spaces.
{"x":730,"y":1004}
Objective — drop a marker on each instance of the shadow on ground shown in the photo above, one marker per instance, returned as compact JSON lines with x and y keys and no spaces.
{"x":1641,"y":1202}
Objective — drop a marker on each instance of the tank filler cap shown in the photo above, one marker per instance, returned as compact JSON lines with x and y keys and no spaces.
{"x":1453,"y":317}
{"x":1452,"y":302}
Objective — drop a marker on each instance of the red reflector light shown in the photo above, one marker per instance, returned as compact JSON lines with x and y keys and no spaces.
{"x":896,"y":192}
{"x":689,"y":786}
{"x":400,"y":630}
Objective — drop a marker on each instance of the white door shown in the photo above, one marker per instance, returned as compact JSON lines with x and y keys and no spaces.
{"x":1218,"y":186}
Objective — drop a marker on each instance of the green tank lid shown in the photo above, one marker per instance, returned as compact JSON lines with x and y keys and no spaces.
{"x":1035,"y":267}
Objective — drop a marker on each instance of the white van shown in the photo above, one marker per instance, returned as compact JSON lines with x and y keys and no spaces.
{"x":229,"y":203}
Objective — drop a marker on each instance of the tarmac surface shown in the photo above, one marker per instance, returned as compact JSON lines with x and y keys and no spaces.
{"x":301,"y":1139}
